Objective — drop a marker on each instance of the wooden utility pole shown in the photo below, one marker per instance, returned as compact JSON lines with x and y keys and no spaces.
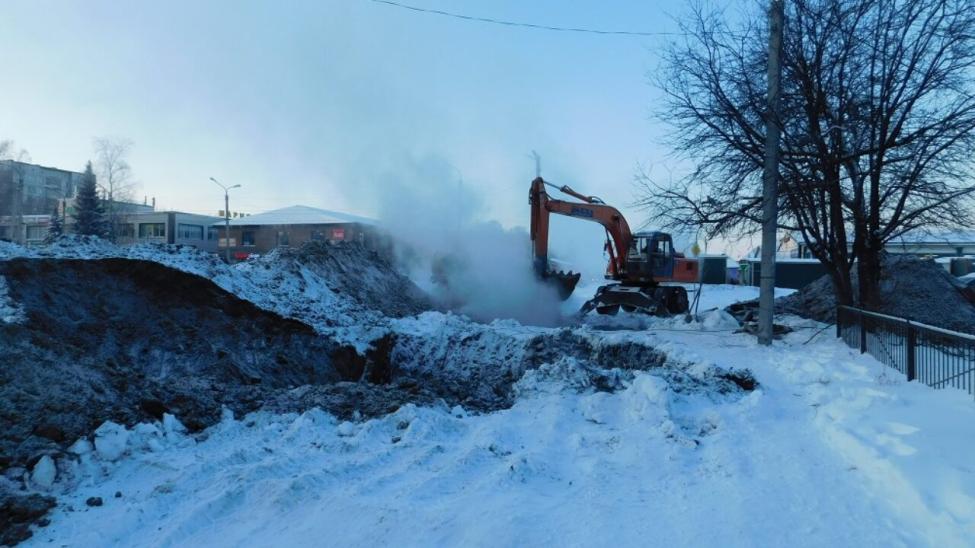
{"x":770,"y":177}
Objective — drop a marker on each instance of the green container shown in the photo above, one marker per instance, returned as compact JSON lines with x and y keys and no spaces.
{"x":714,"y":269}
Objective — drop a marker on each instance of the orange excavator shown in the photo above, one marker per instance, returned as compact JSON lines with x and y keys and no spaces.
{"x":644,"y":267}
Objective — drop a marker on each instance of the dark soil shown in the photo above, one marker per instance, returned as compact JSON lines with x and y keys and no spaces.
{"x":484,"y":372}
{"x":917,"y":289}
{"x":127,"y":340}
{"x":18,"y":512}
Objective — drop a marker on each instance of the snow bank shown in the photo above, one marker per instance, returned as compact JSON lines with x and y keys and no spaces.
{"x":335,"y":289}
{"x":794,"y":462}
{"x":621,"y":431}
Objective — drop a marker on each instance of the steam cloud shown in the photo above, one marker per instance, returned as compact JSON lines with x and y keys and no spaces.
{"x":473,"y":266}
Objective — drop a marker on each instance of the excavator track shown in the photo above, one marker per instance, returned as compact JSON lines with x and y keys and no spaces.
{"x":660,"y":300}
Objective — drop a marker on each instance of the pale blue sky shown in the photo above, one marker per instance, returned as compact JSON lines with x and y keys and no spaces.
{"x":294,"y":99}
{"x":322,"y":103}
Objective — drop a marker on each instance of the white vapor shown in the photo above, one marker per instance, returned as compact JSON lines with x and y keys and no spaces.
{"x":472,"y":265}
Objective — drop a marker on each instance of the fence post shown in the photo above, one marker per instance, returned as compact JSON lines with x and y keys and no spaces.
{"x":839,"y":321}
{"x":911,"y":359}
{"x":863,"y":332}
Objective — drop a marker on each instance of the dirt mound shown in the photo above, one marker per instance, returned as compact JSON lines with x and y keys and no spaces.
{"x":364,"y":275}
{"x":324,"y":285}
{"x":88,"y":340}
{"x":478,"y":366}
{"x":909,"y":287}
{"x":127,"y":340}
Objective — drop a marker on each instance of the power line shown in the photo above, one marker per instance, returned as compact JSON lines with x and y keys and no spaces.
{"x":521,"y":24}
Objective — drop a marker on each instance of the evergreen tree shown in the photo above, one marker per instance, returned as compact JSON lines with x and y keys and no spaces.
{"x":89,"y":215}
{"x":56,"y":228}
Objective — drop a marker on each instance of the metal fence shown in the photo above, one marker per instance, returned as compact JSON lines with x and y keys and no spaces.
{"x":935,"y":356}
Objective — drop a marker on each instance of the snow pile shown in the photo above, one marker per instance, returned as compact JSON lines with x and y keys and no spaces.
{"x":707,"y":320}
{"x":417,"y":466}
{"x":10,"y":310}
{"x":821,"y":454}
{"x":327,"y":286}
{"x":629,"y":430}
{"x":129,"y":340}
{"x":478,"y":365}
{"x":88,"y":461}
{"x":909,"y":287}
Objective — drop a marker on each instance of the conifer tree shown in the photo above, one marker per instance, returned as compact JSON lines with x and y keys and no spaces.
{"x":56,"y":228}
{"x":89,"y":213}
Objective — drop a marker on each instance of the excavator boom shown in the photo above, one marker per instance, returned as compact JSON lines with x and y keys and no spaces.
{"x":591,"y":209}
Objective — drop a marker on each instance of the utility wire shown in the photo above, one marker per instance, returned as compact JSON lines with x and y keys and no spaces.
{"x":521,"y":24}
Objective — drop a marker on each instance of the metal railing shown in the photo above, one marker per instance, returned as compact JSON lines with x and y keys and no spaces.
{"x":932,"y":355}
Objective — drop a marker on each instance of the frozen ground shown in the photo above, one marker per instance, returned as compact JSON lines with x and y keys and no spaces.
{"x":831,"y":449}
{"x":712,"y":296}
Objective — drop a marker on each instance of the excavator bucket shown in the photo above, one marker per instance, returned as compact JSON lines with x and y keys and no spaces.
{"x":563,"y":282}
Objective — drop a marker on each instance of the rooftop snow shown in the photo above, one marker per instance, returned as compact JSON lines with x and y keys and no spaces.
{"x":299,"y":215}
{"x":948,"y":237}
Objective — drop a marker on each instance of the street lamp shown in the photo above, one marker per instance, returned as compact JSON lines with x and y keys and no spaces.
{"x":226,"y":213}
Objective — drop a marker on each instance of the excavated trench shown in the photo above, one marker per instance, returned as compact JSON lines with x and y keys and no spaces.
{"x":88,"y":341}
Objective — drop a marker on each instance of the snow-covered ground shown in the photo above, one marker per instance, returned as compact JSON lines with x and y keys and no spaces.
{"x":712,"y":296}
{"x":830,"y":449}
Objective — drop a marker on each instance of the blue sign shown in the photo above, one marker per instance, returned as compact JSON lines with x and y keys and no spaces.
{"x":581,"y":212}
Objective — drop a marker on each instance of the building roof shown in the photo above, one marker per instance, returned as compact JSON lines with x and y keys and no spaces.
{"x":947,"y":237}
{"x":299,"y":215}
{"x":10,"y":162}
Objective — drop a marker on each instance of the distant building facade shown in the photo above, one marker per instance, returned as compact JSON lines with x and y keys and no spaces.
{"x":29,"y":194}
{"x":292,"y":226}
{"x":954,"y":243}
{"x":941,"y":244}
{"x":167,"y":227}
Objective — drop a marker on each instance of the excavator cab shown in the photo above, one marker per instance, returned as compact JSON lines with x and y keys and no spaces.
{"x":651,"y":255}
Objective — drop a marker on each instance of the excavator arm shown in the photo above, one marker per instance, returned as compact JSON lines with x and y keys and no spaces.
{"x":590,"y":209}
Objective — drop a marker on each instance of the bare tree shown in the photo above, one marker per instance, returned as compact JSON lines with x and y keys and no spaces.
{"x":878,"y":127}
{"x":115,"y":178}
{"x":9,"y":151}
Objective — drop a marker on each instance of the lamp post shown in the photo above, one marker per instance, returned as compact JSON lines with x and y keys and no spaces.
{"x":226,"y":214}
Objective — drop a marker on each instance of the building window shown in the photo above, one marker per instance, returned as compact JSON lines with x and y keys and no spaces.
{"x":126,"y":230}
{"x":212,"y":234}
{"x":247,"y":238}
{"x":190,"y":232}
{"x":35,"y":232}
{"x":152,"y":230}
{"x":282,"y":238}
{"x":52,"y":188}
